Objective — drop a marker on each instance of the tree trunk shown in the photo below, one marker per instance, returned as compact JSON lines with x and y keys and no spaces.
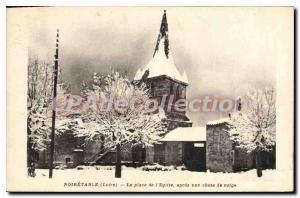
{"x":118,"y":161}
{"x":258,"y":164}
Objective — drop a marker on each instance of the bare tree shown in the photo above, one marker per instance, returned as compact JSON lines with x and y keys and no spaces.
{"x":254,"y":127}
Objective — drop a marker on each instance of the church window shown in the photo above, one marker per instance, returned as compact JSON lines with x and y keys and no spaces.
{"x":171,"y":89}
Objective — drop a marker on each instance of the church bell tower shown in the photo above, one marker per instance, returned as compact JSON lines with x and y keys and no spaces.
{"x":166,"y":83}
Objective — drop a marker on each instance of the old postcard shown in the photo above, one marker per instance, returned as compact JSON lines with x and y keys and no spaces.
{"x":150,"y":99}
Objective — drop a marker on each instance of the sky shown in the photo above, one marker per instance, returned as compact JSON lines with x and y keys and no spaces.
{"x":224,"y":51}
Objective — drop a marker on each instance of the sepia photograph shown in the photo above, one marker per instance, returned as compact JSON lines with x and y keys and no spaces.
{"x":150,"y":99}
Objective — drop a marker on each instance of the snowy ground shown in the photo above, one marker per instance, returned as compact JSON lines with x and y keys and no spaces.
{"x":136,"y":179}
{"x":138,"y":174}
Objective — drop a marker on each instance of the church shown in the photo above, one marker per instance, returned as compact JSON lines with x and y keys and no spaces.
{"x":197,"y":148}
{"x":183,"y":144}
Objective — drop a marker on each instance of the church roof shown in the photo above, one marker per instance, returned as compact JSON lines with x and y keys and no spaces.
{"x":162,"y":62}
{"x":186,"y":134}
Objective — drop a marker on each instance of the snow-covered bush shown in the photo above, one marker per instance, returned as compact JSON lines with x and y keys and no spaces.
{"x":82,"y":167}
{"x":182,"y":167}
{"x":104,"y":167}
{"x":158,"y":167}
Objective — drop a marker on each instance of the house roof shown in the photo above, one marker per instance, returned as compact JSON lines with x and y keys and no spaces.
{"x":186,"y":134}
{"x":216,"y":122}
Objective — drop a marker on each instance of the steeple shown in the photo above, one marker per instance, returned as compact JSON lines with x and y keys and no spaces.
{"x":162,"y":63}
{"x":163,"y":35}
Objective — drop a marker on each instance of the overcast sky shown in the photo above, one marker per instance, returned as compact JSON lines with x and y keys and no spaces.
{"x":223,"y":51}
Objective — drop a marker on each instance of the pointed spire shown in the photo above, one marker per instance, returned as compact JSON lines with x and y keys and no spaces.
{"x":163,"y":34}
{"x":162,"y":63}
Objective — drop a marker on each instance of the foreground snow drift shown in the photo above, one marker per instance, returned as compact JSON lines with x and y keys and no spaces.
{"x":141,"y":173}
{"x":101,"y":178}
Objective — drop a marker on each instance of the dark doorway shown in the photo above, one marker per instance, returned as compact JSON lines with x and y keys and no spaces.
{"x":68,"y":159}
{"x":194,"y":156}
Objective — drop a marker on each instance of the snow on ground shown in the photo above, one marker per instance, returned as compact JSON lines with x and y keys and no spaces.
{"x":139,"y":174}
{"x":137,"y":179}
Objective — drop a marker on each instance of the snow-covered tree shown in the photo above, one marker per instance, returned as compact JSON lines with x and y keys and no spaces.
{"x":254,"y":127}
{"x":39,"y":102}
{"x":121,"y":117}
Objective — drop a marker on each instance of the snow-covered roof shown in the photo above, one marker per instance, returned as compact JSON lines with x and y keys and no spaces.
{"x":161,"y":65}
{"x":219,"y":121}
{"x":186,"y":134}
{"x":162,"y":62}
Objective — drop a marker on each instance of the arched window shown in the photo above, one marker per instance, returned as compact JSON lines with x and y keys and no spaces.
{"x":171,"y":89}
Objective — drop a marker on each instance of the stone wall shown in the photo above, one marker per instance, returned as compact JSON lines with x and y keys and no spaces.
{"x":222,"y":155}
{"x":219,"y":149}
{"x":168,"y":152}
{"x":150,"y":154}
{"x":68,"y":151}
{"x":159,"y":153}
{"x":173,"y":89}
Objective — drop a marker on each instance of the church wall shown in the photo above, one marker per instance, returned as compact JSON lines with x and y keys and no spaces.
{"x":173,"y":124}
{"x":168,"y":153}
{"x":160,"y":86}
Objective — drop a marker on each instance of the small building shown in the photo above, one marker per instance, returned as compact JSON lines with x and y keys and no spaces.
{"x":223,"y":155}
{"x":186,"y":146}
{"x":219,"y":148}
